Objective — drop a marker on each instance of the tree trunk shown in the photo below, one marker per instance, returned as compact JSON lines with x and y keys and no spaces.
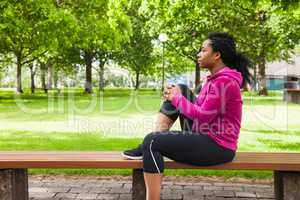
{"x":19,"y":75}
{"x":101,"y":76}
{"x":246,"y":87}
{"x":32,"y":74}
{"x":43,"y":77}
{"x":262,"y":75}
{"x":197,"y":78}
{"x":137,"y":80}
{"x":60,"y":83}
{"x":255,"y":77}
{"x":88,"y":73}
{"x":262,"y":17}
{"x":55,"y":78}
{"x":50,"y":75}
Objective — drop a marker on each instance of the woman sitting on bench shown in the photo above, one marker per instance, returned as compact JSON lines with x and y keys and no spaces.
{"x":210,"y":123}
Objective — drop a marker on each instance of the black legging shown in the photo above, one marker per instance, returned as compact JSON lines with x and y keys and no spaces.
{"x":182,"y":146}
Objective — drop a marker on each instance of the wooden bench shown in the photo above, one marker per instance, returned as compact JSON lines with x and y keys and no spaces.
{"x":291,"y":95}
{"x":14,"y":165}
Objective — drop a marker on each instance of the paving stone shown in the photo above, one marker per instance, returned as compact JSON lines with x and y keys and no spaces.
{"x":173,"y":187}
{"x":35,"y":184}
{"x":182,"y":183}
{"x":89,"y":185}
{"x":45,"y":198}
{"x":166,"y":191}
{"x":233,"y":188}
{"x":59,"y":189}
{"x":99,"y":190}
{"x":265,"y":199}
{"x":61,"y":184}
{"x":232,"y":184}
{"x":125,"y":197}
{"x":215,"y":198}
{"x":113,"y":185}
{"x":66,"y":195}
{"x":245,"y":194}
{"x":87,"y":196}
{"x":225,"y":184}
{"x":167,"y":183}
{"x":193,"y":187}
{"x":203,"y":192}
{"x":108,"y":196}
{"x":265,"y":195}
{"x":224,"y":198}
{"x":122,"y":190}
{"x":127,"y":185}
{"x":41,"y":195}
{"x":263,"y":186}
{"x":182,"y":192}
{"x":259,"y":190}
{"x":203,"y":184}
{"x":212,"y":187}
{"x":78,"y":190}
{"x":193,"y":197}
{"x":171,"y":196}
{"x":37,"y":190}
{"x":119,"y":190}
{"x":236,"y":198}
{"x":224,"y":193}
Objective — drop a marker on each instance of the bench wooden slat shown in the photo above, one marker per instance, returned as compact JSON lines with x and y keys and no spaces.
{"x":14,"y":180}
{"x":243,"y":160}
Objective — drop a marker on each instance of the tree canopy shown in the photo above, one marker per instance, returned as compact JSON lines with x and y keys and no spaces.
{"x":60,"y":35}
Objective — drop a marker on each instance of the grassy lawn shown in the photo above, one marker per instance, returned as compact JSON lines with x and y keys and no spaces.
{"x":118,"y":119}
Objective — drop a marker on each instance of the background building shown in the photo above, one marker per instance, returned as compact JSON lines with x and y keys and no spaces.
{"x":276,"y":73}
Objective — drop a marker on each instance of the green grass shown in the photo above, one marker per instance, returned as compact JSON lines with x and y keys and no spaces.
{"x":59,"y":106}
{"x":118,"y":119}
{"x":40,"y":141}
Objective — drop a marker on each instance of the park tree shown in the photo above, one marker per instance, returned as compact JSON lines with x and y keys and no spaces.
{"x":21,"y":27}
{"x":29,"y":30}
{"x":2,"y":68}
{"x":62,"y":32}
{"x":264,"y":30}
{"x":5,"y":61}
{"x":137,"y":53}
{"x":186,"y":23}
{"x":103,"y":27}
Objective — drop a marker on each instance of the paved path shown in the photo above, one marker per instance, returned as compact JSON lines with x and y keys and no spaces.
{"x":119,"y":188}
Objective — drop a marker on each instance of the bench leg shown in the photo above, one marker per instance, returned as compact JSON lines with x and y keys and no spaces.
{"x":287,"y":185}
{"x":138,"y":185}
{"x":13,"y":184}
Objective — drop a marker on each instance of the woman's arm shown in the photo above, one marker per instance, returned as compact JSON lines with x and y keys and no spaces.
{"x":214,"y":103}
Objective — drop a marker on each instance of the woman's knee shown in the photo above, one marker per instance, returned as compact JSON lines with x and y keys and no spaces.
{"x":148,"y":139}
{"x":151,"y":141}
{"x":183,"y":87}
{"x":186,"y":92}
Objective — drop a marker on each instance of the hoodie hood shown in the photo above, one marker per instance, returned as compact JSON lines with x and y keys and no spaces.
{"x":226,"y":71}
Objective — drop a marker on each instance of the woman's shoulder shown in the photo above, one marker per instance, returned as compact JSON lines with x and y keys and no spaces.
{"x":225,"y":80}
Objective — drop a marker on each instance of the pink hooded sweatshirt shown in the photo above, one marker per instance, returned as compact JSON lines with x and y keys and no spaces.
{"x":217,"y":111}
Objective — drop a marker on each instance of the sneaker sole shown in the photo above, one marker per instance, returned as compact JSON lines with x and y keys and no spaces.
{"x":132,"y":157}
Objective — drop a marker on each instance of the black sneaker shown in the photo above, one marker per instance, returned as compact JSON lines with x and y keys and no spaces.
{"x":134,"y":154}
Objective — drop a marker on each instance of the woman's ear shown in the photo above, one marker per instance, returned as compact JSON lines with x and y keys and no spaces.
{"x":217,"y":55}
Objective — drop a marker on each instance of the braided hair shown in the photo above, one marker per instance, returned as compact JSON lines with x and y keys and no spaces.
{"x":225,"y":44}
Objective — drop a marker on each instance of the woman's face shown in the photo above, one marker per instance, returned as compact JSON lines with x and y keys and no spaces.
{"x":206,"y":56}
